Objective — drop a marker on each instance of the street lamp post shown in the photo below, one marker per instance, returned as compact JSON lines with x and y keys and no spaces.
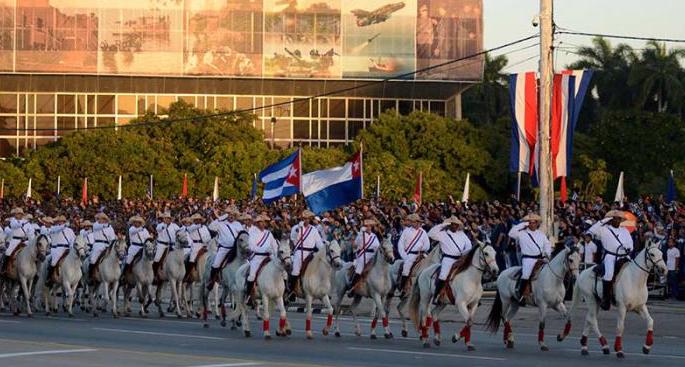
{"x":273,"y":124}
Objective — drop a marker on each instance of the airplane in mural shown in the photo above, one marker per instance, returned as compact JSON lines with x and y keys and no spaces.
{"x":380,"y":15}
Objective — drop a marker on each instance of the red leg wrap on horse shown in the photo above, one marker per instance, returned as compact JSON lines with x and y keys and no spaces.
{"x":436,"y":327}
{"x":541,"y":335}
{"x":374,"y":322}
{"x":466,"y":333}
{"x":329,"y":320}
{"x":204,"y":314}
{"x":618,"y":344}
{"x":308,"y":325}
{"x":507,"y":330}
{"x":603,"y":341}
{"x":281,"y":324}
{"x":567,"y":328}
{"x":223,"y":311}
{"x":424,"y":332}
{"x":650,"y":338}
{"x":266,"y":325}
{"x":385,"y":321}
{"x":583,"y":340}
{"x":429,"y":321}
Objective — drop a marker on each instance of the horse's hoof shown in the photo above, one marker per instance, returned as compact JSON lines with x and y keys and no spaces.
{"x":374,"y":337}
{"x":606,"y":351}
{"x":620,"y":355}
{"x":161,"y":315}
{"x":223,"y":324}
{"x":404,"y":333}
{"x":337,"y":334}
{"x":645,"y":350}
{"x":127,"y":314}
{"x":95,"y":314}
{"x":83,"y":308}
{"x":324,"y":332}
{"x":358,"y":333}
{"x":239,"y":323}
{"x":247,"y":333}
{"x":205,"y":325}
{"x":29,"y":315}
{"x":179,"y":316}
{"x":470,"y":348}
{"x":436,"y":342}
{"x":115,"y":316}
{"x":544,"y":348}
{"x":388,"y":336}
{"x":217,"y":317}
{"x":454,"y":339}
{"x":584,"y":352}
{"x":426,"y":344}
{"x":16,"y":313}
{"x":48,"y":313}
{"x":560,"y":338}
{"x":71,"y":315}
{"x":309,"y":337}
{"x":267,"y":337}
{"x":510,"y":344}
{"x":288,"y":332}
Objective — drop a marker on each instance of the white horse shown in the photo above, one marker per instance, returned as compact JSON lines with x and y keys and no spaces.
{"x":316,"y":283}
{"x":173,"y":271}
{"x":548,"y":291}
{"x":67,"y":277}
{"x":376,"y":286}
{"x":630,"y":293}
{"x":105,"y":280}
{"x":269,"y":286}
{"x":433,"y":257}
{"x":228,"y":282}
{"x":25,"y":268}
{"x":140,"y":278}
{"x":466,"y":286}
{"x":196,"y":276}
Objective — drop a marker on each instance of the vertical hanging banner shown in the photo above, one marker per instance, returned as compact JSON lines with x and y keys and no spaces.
{"x":523,"y":94}
{"x":418,"y":189}
{"x":84,"y":191}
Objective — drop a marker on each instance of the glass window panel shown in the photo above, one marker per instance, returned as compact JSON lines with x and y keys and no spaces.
{"x":187,"y":99}
{"x":81,"y":104}
{"x":243,"y":103}
{"x":438,"y":108}
{"x":64,"y":122}
{"x":387,"y":105}
{"x":105,"y":104}
{"x":201,"y":102}
{"x":124,"y":120}
{"x":282,"y":129}
{"x":406,"y":107}
{"x":141,"y":105}
{"x":369,"y":108}
{"x":224,"y":103}
{"x":8,"y":147}
{"x":301,"y":129}
{"x":22,"y":103}
{"x":45,"y":103}
{"x":66,"y":103}
{"x":8,"y":122}
{"x":315,"y":107}
{"x":337,"y":107}
{"x":353,"y":128}
{"x":126,"y":105}
{"x":105,"y":121}
{"x":315,"y":129}
{"x":81,"y":122}
{"x":163,"y":103}
{"x":301,"y":108}
{"x":90,"y":121}
{"x":91,"y":104}
{"x":283,"y":109}
{"x":336,"y":130}
{"x":45,"y":122}
{"x":151,"y":103}
{"x":8,"y":103}
{"x":355,"y":108}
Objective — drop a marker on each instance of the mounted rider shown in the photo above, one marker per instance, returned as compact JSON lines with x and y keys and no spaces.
{"x":19,"y":230}
{"x":61,"y":239}
{"x":137,"y":235}
{"x":87,"y":233}
{"x":186,"y":222}
{"x":199,"y":235}
{"x":263,"y":245}
{"x":617,"y":243}
{"x":534,"y":246}
{"x":227,"y":228}
{"x":166,"y":236}
{"x":103,"y":235}
{"x":412,"y":244}
{"x":307,"y":240}
{"x":453,"y":245}
{"x":365,"y":246}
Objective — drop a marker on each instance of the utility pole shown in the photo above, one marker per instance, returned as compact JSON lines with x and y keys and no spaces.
{"x":546,"y":77}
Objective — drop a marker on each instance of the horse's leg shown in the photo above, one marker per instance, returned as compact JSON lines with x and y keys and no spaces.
{"x":620,"y":322}
{"x":509,"y":310}
{"x":27,"y":292}
{"x":158,"y":298}
{"x":542,"y":314}
{"x":68,"y":296}
{"x":649,"y":340}
{"x":435,"y":321}
{"x":283,"y":317}
{"x":561,"y":308}
{"x":374,"y":321}
{"x":266,"y":317}
{"x":465,"y":333}
{"x":308,"y":315}
{"x":127,"y":300}
{"x":384,"y":315}
{"x":400,"y":310}
{"x":329,"y":309}
{"x":337,"y":311}
{"x":115,"y":290}
{"x":353,"y":310}
{"x":176,"y":288}
{"x":593,"y":311}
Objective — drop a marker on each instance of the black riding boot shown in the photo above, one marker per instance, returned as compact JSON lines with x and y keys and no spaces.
{"x":292,"y":281}
{"x":438,"y":288}
{"x":523,"y":283}
{"x":213,"y":277}
{"x":248,"y":291}
{"x":606,"y":295}
{"x":353,"y":284}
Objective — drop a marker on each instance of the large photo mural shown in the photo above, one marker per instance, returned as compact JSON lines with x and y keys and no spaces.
{"x":319,"y":39}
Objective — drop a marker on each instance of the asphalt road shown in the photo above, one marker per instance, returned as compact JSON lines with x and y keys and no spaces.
{"x":85,"y":341}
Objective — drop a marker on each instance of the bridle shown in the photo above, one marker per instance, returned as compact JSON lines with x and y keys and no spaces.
{"x":648,"y":260}
{"x":329,"y":256}
{"x":485,"y":264}
{"x":567,"y":265}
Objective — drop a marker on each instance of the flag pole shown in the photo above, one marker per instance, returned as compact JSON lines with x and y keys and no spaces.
{"x":361,"y":165}
{"x":119,"y":189}
{"x":378,"y":187}
{"x":28,"y":189}
{"x":546,"y":75}
{"x":59,"y":184}
{"x":518,"y":186}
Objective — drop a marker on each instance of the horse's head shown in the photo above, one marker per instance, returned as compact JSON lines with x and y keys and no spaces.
{"x":150,"y":249}
{"x":387,"y":250}
{"x":487,"y":257}
{"x":284,"y":254}
{"x":654,"y":258}
{"x":42,"y":246}
{"x":119,"y":247}
{"x":242,"y":242}
{"x":80,"y":246}
{"x":181,"y":240}
{"x":333,"y":254}
{"x":573,"y":260}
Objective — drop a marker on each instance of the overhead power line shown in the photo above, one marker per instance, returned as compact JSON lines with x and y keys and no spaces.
{"x":295,"y":100}
{"x":638,"y":38}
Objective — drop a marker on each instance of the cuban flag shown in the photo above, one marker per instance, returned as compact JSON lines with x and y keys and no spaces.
{"x":282,"y":178}
{"x":523,"y":92}
{"x":334,"y":187}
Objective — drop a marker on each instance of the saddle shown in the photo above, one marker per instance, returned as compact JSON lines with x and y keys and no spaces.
{"x":362,"y":278}
{"x":191,"y":268}
{"x":599,"y":271}
{"x":256,"y":278}
{"x":158,"y":267}
{"x":232,"y":253}
{"x":93,"y":268}
{"x":412,"y":271}
{"x":10,"y":263}
{"x":456,"y":268}
{"x":55,"y":270}
{"x":297,"y":287}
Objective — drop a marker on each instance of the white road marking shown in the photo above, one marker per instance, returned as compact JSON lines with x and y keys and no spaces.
{"x":42,"y":352}
{"x":231,"y":364}
{"x":158,"y":333}
{"x":426,"y":353}
{"x":651,"y":355}
{"x":10,"y":321}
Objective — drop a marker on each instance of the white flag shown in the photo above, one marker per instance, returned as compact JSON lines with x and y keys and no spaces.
{"x":215,"y":193}
{"x":119,"y":189}
{"x":28,"y":190}
{"x":465,"y":195}
{"x":620,"y":195}
{"x":59,"y":185}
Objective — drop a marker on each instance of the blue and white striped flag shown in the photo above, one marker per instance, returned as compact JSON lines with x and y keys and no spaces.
{"x":282,"y":178}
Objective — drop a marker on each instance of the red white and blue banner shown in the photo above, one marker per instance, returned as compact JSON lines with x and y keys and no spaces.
{"x":523,"y":91}
{"x":334,"y":187}
{"x":282,"y":178}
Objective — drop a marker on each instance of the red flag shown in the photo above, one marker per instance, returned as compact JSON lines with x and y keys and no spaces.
{"x":418,"y":190}
{"x":563,"y":192}
{"x":84,"y":192}
{"x":184,"y":190}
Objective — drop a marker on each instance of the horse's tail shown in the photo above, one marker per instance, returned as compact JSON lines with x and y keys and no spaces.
{"x":414,"y":304}
{"x":495,"y":316}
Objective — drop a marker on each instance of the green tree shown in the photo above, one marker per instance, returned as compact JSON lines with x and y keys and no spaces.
{"x":488,"y":100}
{"x":658,"y":78}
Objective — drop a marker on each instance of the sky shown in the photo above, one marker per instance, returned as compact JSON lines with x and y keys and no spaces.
{"x":508,"y":20}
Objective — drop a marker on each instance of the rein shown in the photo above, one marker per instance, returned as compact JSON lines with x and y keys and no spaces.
{"x":647,"y":258}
